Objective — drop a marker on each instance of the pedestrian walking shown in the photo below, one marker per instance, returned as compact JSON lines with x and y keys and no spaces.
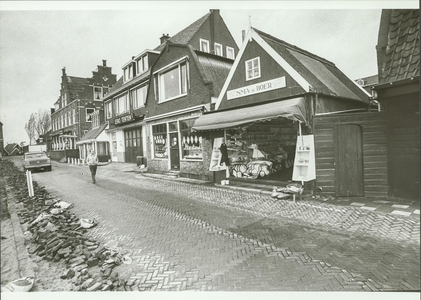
{"x":92,"y":161}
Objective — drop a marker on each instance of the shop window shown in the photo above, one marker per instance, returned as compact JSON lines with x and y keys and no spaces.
{"x":204,"y":45}
{"x":89,"y":112}
{"x":159,"y":134}
{"x":253,"y":68}
{"x":218,"y":49}
{"x":191,"y":142}
{"x":230,"y":53}
{"x":172,"y":82}
{"x":139,"y":96}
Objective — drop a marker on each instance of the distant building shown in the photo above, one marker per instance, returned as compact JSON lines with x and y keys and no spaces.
{"x":79,"y":98}
{"x":13,"y":149}
{"x":368,"y":83}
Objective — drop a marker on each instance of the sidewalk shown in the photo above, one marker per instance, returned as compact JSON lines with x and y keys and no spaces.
{"x":392,"y":206}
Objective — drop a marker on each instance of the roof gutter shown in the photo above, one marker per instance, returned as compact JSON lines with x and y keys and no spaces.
{"x":395,"y":83}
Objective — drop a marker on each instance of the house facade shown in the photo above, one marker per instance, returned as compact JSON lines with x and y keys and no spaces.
{"x":398,"y":60}
{"x":71,"y":115}
{"x":161,"y":98}
{"x":275,"y":116}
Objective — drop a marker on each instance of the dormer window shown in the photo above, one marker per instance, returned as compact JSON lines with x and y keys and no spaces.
{"x":142,"y":64}
{"x":204,"y":45}
{"x":128,"y":72}
{"x":230,"y":52}
{"x":218,"y":49}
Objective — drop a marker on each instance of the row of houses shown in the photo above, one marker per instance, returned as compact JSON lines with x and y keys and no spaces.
{"x":270,"y":107}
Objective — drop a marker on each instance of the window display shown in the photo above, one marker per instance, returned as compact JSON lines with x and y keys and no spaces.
{"x":191,"y":142}
{"x":159,"y":133}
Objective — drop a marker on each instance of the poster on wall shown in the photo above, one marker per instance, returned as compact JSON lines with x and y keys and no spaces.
{"x":215,"y":164}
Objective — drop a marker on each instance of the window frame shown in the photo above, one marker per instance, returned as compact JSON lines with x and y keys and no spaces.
{"x":217,"y":45}
{"x":159,"y":73}
{"x":201,"y":45}
{"x":153,"y":140}
{"x":253,"y":68}
{"x":134,"y":96}
{"x":142,"y":64}
{"x":228,"y":49}
{"x":180,"y":133}
{"x":88,"y":114}
{"x":109,"y":110}
{"x":99,"y":93}
{"x":126,"y":104}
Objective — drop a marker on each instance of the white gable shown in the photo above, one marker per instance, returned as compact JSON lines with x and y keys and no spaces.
{"x":252,"y":35}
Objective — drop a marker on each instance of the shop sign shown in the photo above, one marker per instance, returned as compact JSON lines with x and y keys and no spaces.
{"x":124,"y":119}
{"x":257,"y":88}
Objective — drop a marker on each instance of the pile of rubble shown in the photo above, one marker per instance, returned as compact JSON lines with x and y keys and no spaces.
{"x":56,"y":234}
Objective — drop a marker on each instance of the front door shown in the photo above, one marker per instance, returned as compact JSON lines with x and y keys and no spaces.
{"x":174,"y":151}
{"x":348,"y":160}
{"x":133,"y":143}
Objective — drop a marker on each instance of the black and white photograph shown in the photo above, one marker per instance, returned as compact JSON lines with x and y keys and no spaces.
{"x":236,"y":149}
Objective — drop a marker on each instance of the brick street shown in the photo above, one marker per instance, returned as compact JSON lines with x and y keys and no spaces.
{"x":184,"y":236}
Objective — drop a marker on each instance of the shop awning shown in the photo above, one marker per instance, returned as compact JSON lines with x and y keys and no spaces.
{"x":293,"y":109}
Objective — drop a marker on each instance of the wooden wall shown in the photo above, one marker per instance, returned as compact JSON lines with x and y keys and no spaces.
{"x":373,"y":147}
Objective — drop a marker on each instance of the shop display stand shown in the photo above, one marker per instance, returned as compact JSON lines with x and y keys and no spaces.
{"x":304,"y":163}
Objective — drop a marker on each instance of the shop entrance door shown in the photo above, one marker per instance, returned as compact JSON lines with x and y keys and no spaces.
{"x":348,"y":160}
{"x":133,"y":144}
{"x":174,"y":151}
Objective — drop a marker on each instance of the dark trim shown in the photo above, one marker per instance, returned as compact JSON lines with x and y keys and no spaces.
{"x":395,"y":83}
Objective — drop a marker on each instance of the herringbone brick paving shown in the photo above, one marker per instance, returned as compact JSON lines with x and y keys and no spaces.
{"x":189,"y":237}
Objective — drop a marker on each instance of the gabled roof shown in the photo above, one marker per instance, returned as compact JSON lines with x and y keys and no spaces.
{"x":93,"y":133}
{"x":11,"y":147}
{"x":313,"y":73}
{"x":323,"y":76}
{"x":398,"y":46}
{"x":184,"y":36}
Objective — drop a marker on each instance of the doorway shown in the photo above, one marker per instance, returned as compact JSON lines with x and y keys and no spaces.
{"x":174,"y":151}
{"x":133,"y":143}
{"x":349,"y":172}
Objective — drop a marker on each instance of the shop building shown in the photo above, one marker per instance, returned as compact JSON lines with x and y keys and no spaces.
{"x":185,"y":81}
{"x":398,"y":60}
{"x":71,"y":115}
{"x":124,"y":109}
{"x":265,"y":113}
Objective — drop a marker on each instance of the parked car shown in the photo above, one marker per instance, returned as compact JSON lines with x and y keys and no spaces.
{"x":36,"y":161}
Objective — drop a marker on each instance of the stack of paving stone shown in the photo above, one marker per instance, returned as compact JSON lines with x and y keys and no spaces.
{"x":56,"y":234}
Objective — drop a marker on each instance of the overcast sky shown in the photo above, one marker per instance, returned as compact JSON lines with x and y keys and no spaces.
{"x":36,"y":44}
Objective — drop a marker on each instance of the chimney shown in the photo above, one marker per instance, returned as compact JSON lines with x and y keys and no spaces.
{"x":243,"y":35}
{"x":214,"y":14}
{"x":63,"y":71}
{"x":164,"y":38}
{"x":104,"y":62}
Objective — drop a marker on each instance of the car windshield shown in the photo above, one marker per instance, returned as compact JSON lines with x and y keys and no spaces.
{"x":35,"y":155}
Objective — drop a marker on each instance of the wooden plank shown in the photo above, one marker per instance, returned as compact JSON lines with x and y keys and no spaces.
{"x":368,"y":158}
{"x":375,"y":176}
{"x":375,"y":194}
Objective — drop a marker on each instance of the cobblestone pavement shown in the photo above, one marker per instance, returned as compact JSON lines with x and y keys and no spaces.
{"x":183,"y":236}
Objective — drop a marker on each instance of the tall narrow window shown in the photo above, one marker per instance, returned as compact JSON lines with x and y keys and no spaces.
{"x":218,"y":49}
{"x":253,"y":68}
{"x":97,"y":92}
{"x":108,"y":109}
{"x":230,"y":53}
{"x":204,"y":45}
{"x":139,"y":96}
{"x":159,"y":134}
